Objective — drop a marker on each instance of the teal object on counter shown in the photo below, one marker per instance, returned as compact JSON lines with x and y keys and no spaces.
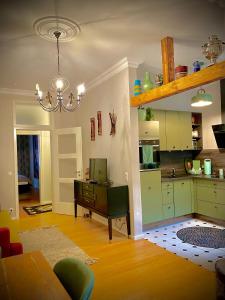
{"x":147,"y":151}
{"x":207,"y":166}
{"x":137,"y":87}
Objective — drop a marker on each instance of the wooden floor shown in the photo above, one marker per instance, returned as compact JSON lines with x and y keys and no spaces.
{"x":127,"y":269}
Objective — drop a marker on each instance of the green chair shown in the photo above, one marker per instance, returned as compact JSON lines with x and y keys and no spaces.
{"x":76,"y":277}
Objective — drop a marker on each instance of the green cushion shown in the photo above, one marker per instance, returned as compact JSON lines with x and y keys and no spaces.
{"x":76,"y":277}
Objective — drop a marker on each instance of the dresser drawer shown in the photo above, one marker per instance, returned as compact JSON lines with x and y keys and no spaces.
{"x":88,"y":187}
{"x":87,"y":201}
{"x":88,"y":194}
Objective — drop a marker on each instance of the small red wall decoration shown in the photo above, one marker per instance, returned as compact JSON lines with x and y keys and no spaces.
{"x":99,"y":118}
{"x":92,"y":129}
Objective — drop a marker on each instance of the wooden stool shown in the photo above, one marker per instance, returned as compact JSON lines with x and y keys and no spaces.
{"x":220,"y":279}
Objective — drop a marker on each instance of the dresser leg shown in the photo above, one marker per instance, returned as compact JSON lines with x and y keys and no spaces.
{"x":128,"y":223}
{"x":75,"y":208}
{"x":110,"y":228}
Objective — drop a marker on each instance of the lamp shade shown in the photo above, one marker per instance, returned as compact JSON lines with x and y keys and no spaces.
{"x":201,"y":99}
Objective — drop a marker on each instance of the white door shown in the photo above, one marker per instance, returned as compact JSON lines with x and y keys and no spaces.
{"x":67,"y":154}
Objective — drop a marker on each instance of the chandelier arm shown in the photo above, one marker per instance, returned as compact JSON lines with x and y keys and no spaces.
{"x":55,"y":108}
{"x":73,"y":107}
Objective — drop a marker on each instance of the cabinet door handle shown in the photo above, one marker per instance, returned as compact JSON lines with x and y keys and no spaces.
{"x":174,"y":147}
{"x":215,"y":192}
{"x":168,"y":193}
{"x":149,"y":188}
{"x":215,"y":206}
{"x":168,"y":207}
{"x":187,"y":147}
{"x":182,"y":183}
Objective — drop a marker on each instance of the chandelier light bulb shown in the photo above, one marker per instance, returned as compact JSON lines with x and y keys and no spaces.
{"x":59,"y":84}
{"x":37,"y":87}
{"x":40,"y":94}
{"x":80,"y":89}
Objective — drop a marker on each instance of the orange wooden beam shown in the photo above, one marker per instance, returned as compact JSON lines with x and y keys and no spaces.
{"x":167,"y":59}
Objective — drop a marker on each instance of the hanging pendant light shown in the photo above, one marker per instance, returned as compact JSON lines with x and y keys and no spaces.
{"x":59,"y":84}
{"x":201,"y":99}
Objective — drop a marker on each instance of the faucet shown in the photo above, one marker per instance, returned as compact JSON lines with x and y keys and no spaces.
{"x":173,"y":172}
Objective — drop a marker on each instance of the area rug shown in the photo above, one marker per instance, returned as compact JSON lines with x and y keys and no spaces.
{"x":53,"y":244}
{"x":37,"y":209}
{"x":203,"y":236}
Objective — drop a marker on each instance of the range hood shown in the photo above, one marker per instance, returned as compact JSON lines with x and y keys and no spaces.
{"x":219,"y":129}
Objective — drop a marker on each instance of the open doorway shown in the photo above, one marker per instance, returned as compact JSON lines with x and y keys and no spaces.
{"x":34,"y":171}
{"x":28,"y":158}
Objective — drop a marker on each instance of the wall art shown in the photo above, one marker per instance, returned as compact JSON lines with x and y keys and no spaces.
{"x":92,"y":129}
{"x":113,"y":119}
{"x":99,"y":118}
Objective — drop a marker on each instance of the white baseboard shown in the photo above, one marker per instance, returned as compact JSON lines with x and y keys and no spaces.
{"x":137,"y":237}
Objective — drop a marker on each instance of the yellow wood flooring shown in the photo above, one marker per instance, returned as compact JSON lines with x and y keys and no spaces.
{"x":128,"y":269}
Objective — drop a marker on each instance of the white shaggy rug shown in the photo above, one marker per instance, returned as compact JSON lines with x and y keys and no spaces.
{"x":53,"y":244}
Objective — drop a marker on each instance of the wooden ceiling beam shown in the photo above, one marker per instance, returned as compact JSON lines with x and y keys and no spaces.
{"x":205,"y":76}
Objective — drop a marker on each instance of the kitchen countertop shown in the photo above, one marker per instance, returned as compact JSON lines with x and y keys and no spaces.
{"x":184,"y":177}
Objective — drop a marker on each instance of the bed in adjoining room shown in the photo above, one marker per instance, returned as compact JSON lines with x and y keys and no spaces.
{"x":24,"y":184}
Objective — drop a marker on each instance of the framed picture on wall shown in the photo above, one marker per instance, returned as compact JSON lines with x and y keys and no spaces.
{"x":99,"y":118}
{"x":92,"y":129}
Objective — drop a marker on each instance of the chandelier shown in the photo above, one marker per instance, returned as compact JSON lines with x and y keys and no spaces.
{"x":48,"y":103}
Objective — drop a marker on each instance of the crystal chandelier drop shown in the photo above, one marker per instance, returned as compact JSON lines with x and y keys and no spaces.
{"x":48,"y":103}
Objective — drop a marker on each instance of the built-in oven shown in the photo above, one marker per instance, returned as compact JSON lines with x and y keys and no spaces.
{"x":149,"y":154}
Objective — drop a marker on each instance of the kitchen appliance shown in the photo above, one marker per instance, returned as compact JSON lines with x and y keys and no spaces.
{"x":219,"y":129}
{"x":149,"y":154}
{"x":207,"y":166}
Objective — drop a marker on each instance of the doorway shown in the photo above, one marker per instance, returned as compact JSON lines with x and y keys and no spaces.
{"x":33,"y":169}
{"x":28,"y":157}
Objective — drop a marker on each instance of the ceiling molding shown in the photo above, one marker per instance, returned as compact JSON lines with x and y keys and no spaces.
{"x":109,"y":73}
{"x":7,"y":91}
{"x":113,"y":70}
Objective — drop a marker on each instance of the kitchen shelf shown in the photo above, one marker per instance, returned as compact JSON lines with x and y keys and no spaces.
{"x":202,"y":77}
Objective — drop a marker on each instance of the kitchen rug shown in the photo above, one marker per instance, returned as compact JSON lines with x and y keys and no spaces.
{"x":203,"y":236}
{"x":53,"y":244}
{"x":37,"y":209}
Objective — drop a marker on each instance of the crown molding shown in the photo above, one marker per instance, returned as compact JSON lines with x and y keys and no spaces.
{"x":7,"y":91}
{"x":109,"y":73}
{"x":113,"y":70}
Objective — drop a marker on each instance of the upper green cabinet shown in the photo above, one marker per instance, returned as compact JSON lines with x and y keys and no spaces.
{"x":175,"y":129}
{"x":160,"y":115}
{"x":151,"y":197}
{"x":183,"y":194}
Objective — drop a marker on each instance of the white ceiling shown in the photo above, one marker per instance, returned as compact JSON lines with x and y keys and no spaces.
{"x":110,"y":30}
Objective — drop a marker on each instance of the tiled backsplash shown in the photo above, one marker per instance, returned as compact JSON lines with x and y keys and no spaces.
{"x":217,"y":157}
{"x":174,"y":159}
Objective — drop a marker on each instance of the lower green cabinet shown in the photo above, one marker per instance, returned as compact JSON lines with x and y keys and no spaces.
{"x":168,"y":211}
{"x":183,"y":197}
{"x":210,"y":196}
{"x":151,"y":197}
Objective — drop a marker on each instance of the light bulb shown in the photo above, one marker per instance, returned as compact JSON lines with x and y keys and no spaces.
{"x":59,"y":84}
{"x":80,"y":89}
{"x":37,"y":87}
{"x":40,"y":94}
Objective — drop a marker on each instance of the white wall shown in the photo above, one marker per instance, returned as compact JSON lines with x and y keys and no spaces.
{"x":121,"y":150}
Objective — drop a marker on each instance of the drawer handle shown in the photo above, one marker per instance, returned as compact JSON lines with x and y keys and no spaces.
{"x":168,"y":193}
{"x":182,"y":183}
{"x":174,"y":147}
{"x":168,"y":207}
{"x":215,"y":206}
{"x":149,"y":188}
{"x":214,"y":192}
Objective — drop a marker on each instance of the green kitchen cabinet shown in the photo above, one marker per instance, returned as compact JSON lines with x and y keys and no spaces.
{"x":210,"y":197}
{"x":185,"y":127}
{"x":183,"y":194}
{"x":160,"y":115}
{"x":151,"y":196}
{"x":173,"y":130}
